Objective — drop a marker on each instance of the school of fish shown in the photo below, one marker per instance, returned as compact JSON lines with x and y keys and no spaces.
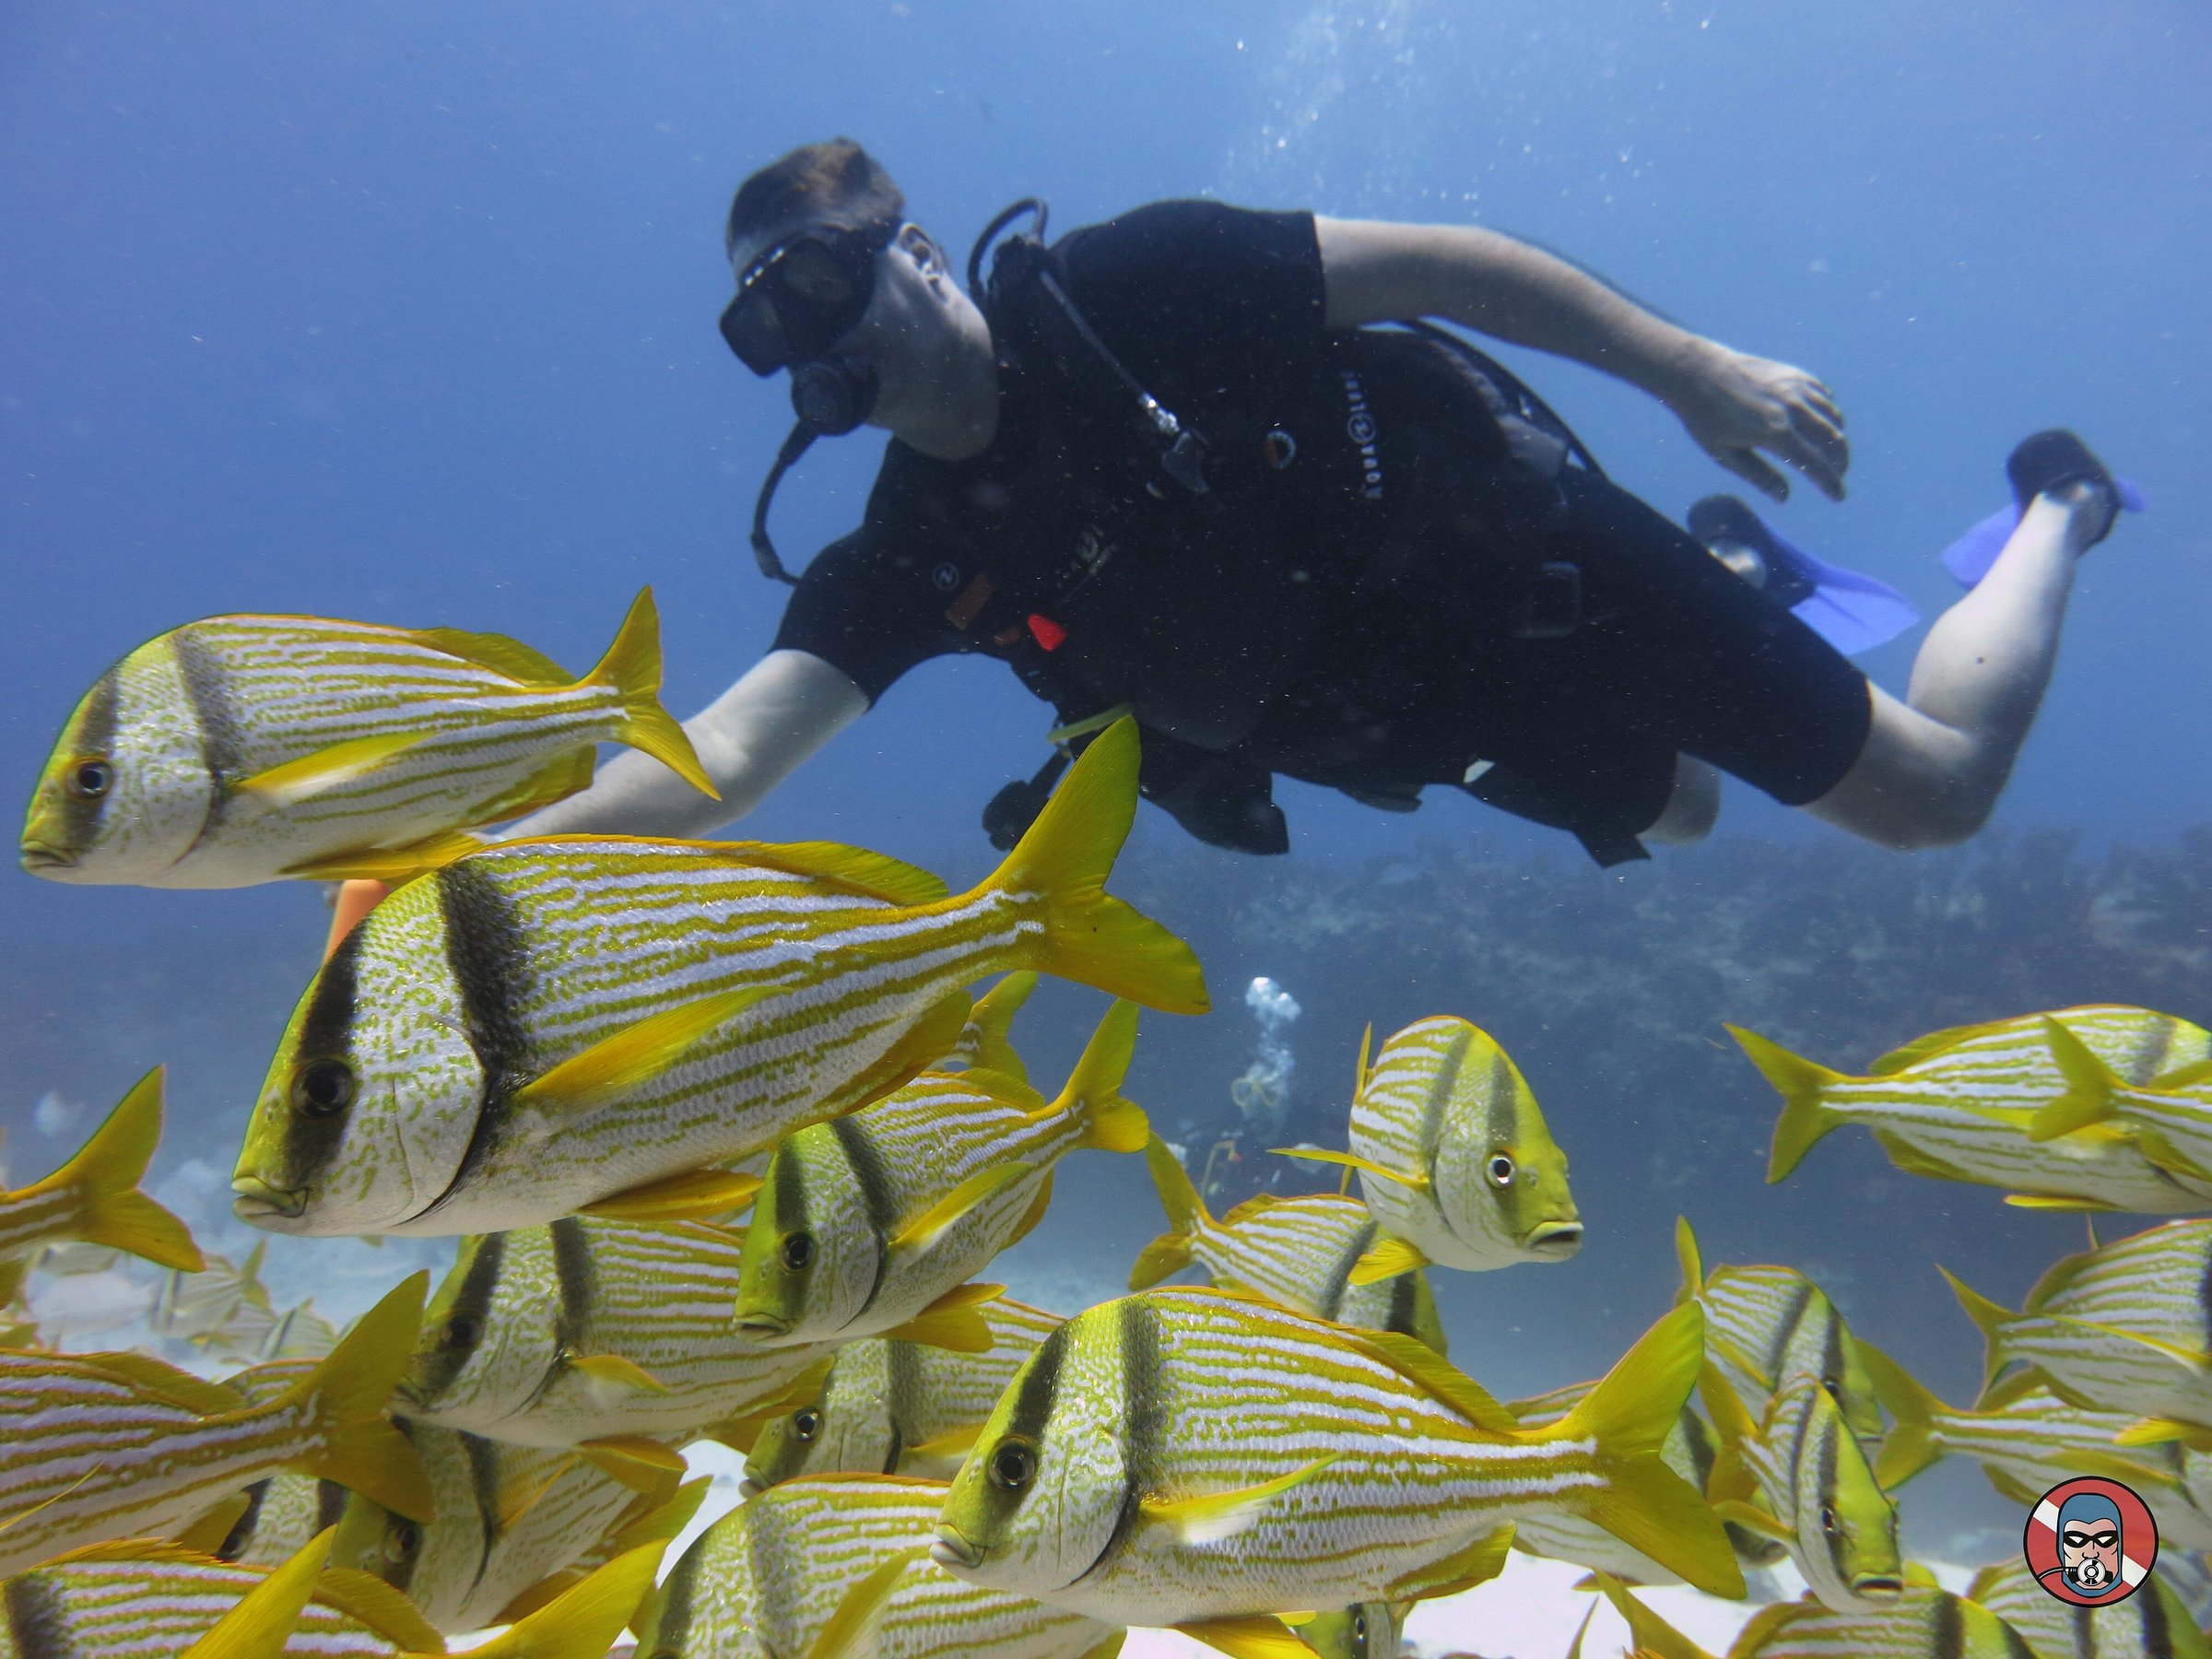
{"x":724,"y":1138}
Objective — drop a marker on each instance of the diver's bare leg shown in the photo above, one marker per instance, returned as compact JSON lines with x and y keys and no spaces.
{"x":1935,"y":764}
{"x":1691,"y":808}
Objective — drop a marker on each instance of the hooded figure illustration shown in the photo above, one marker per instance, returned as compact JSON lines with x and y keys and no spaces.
{"x":2089,"y":1547}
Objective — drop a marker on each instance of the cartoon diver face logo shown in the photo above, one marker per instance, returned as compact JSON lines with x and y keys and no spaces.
{"x":2091,"y":1541}
{"x":2088,"y":1543}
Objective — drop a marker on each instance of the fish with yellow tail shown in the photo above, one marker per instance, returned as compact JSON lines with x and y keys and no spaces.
{"x":607,"y":1336}
{"x":1765,"y":1324}
{"x":1209,"y":1460}
{"x":249,"y":749}
{"x":1454,"y":1155}
{"x":544,"y":1025}
{"x":100,"y":1446}
{"x":139,"y":1599}
{"x":895,"y":1407}
{"x":514,"y":1523}
{"x":1800,"y":1476}
{"x":1960,"y":1105}
{"x":985,"y":1043}
{"x":869,"y":1224}
{"x":2025,"y":1437}
{"x":2154,"y":1623}
{"x":2123,"y":1327}
{"x":94,"y":1197}
{"x":1923,"y":1622}
{"x":837,"y":1567}
{"x":1315,"y":1255}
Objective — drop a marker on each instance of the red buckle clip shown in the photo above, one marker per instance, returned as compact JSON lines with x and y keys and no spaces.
{"x":1047,"y":632}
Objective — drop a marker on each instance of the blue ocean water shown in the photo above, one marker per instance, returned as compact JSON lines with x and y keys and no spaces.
{"x":405,"y":312}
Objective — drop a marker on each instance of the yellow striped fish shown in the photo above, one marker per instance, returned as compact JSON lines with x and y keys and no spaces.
{"x":1315,"y":1255}
{"x":94,"y":1197}
{"x":100,"y":1446}
{"x":512,"y":1522}
{"x":2151,"y":1624}
{"x":1801,"y":1477}
{"x":1687,"y":1450}
{"x":892,"y":1407}
{"x":1188,"y":1457}
{"x":837,"y":1567}
{"x":2125,"y":1327}
{"x":1958,"y":1105}
{"x":594,"y":1335}
{"x":2170,"y":1114}
{"x":867,"y":1223}
{"x":548,"y":1023}
{"x":141,"y":1600}
{"x":1765,"y":1324}
{"x":2025,"y":1438}
{"x":243,"y":749}
{"x":984,"y":1043}
{"x":1925,"y":1622}
{"x":1454,"y":1155}
{"x":1364,"y":1630}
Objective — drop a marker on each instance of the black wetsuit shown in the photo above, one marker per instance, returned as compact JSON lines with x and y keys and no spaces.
{"x":1359,"y":597}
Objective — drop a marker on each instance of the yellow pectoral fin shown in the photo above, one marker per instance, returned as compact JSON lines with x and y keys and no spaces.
{"x":616,"y":1374}
{"x":2159,"y":1148}
{"x":1258,"y":1636}
{"x":1385,"y":1259}
{"x":1913,"y":1162}
{"x":556,"y":781}
{"x":636,"y":1053}
{"x":1476,"y":1562}
{"x":641,"y":1465}
{"x":261,"y":1623}
{"x":862,"y":1608}
{"x":953,"y":1321}
{"x":1214,"y":1516}
{"x":693,"y":1195}
{"x":952,"y":1443}
{"x":391,"y":865}
{"x":1750,"y":1517}
{"x":980,"y":1188}
{"x":326,"y":768}
{"x":2052,"y":1201}
{"x":1407,"y":1179}
{"x":2159,"y":1431}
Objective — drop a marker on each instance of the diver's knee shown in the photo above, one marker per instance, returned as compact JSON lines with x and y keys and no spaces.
{"x":1932,"y":826}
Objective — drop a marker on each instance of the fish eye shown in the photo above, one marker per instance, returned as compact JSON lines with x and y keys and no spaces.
{"x":91,"y":778}
{"x":1500,"y":1169}
{"x":322,"y":1089}
{"x":402,"y":1541}
{"x":461,"y":1331}
{"x":1828,"y":1520}
{"x":798,"y":1252}
{"x":1359,"y":1628}
{"x":1013,"y":1467}
{"x":806,"y":1423}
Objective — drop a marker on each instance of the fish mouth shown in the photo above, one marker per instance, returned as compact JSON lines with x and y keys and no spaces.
{"x":262,"y":1204}
{"x":1555,"y":1241}
{"x":40,"y":856}
{"x":1879,"y":1587}
{"x":953,"y":1549}
{"x":749,"y":1487}
{"x":763,"y":1326}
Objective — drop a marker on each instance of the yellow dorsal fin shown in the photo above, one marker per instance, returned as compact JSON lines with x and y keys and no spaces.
{"x":526,"y":665}
{"x":165,"y":1381}
{"x":635,"y":1053}
{"x":1652,"y":1634}
{"x":1923,"y":1048}
{"x":613,"y":1372}
{"x":326,"y":768}
{"x":131,"y":1549}
{"x":877,"y":875}
{"x":1256,"y":1636}
{"x":1352,"y":1160}
{"x":861,"y":1609}
{"x":980,"y":1188}
{"x":692,"y":1195}
{"x":261,"y":1623}
{"x":1693,"y":1261}
{"x":582,"y":1622}
{"x":953,"y":1321}
{"x":1386,"y":1258}
{"x":1437,"y":1377}
{"x":1209,"y":1518}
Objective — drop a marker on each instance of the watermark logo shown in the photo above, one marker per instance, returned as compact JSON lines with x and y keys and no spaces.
{"x":2090,"y":1541}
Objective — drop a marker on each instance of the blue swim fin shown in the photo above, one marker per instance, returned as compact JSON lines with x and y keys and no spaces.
{"x":1852,"y":611}
{"x":2044,"y":461}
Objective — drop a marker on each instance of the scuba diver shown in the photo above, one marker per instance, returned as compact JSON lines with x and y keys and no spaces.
{"x":1217,"y":468}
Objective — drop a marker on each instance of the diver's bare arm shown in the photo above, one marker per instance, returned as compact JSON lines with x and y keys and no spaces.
{"x":1735,"y":405}
{"x":749,"y":739}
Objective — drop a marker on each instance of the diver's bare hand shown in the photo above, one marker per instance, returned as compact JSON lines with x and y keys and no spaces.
{"x":1736,"y":405}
